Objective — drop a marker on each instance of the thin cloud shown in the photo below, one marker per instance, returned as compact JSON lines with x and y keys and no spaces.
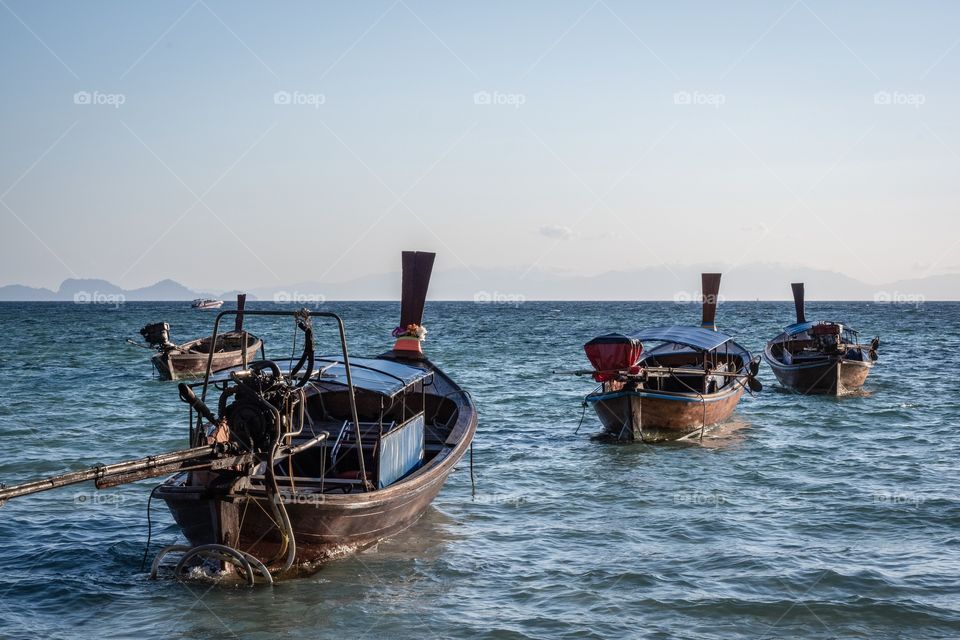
{"x":556,"y":231}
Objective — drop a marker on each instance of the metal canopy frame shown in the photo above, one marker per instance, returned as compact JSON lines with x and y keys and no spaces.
{"x":693,"y":337}
{"x":343,"y":348}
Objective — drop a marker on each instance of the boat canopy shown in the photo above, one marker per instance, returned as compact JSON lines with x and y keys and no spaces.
{"x":611,"y":353}
{"x":385,"y":377}
{"x":798,"y":327}
{"x":801,"y":327}
{"x":696,"y":337}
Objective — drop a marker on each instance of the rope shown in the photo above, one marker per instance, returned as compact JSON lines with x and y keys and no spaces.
{"x":817,"y":381}
{"x":640,"y":427}
{"x":473,"y":481}
{"x":582,"y":414}
{"x":703,"y":421}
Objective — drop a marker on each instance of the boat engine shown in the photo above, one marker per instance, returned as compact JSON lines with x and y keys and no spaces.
{"x":613,"y":355}
{"x":826,"y":337}
{"x":261,"y":405}
{"x":157,"y":336}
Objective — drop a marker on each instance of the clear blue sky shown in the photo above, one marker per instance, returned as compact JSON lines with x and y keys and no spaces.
{"x":616,"y":135}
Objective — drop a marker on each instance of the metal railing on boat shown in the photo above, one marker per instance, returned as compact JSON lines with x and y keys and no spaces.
{"x":303,"y":313}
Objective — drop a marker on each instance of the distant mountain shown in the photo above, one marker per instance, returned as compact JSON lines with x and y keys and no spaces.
{"x":93,"y":290}
{"x":755,"y":281}
{"x":166,"y":290}
{"x":20,"y":293}
{"x":669,"y":282}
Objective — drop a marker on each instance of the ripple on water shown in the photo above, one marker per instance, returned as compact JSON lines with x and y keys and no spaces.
{"x":804,"y":517}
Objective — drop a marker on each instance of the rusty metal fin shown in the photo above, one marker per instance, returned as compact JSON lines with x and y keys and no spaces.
{"x":417,"y":267}
{"x":709,"y":287}
{"x":241,"y":302}
{"x":798,"y":300}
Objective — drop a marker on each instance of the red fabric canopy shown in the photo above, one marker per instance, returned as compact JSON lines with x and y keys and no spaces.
{"x":826,"y":329}
{"x":613,"y":353}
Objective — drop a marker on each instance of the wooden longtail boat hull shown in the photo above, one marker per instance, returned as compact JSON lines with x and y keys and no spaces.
{"x":658,"y":417}
{"x":692,"y":379}
{"x":825,"y":357}
{"x":831,"y":375}
{"x":326,"y":525}
{"x":180,"y":364}
{"x":326,"y":528}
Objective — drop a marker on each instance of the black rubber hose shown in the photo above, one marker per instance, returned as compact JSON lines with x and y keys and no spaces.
{"x":267,"y":364}
{"x":307,"y":356}
{"x":188,"y":396}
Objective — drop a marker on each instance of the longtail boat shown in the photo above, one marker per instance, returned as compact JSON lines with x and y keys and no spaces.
{"x":310,"y":459}
{"x":692,"y":378}
{"x":189,"y":359}
{"x":819,"y":357}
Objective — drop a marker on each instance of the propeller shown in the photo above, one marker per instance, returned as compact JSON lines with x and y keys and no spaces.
{"x":754,"y":368}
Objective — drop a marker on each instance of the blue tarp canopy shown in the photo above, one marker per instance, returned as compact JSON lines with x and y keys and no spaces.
{"x":385,"y":377}
{"x":696,"y":337}
{"x":798,"y":327}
